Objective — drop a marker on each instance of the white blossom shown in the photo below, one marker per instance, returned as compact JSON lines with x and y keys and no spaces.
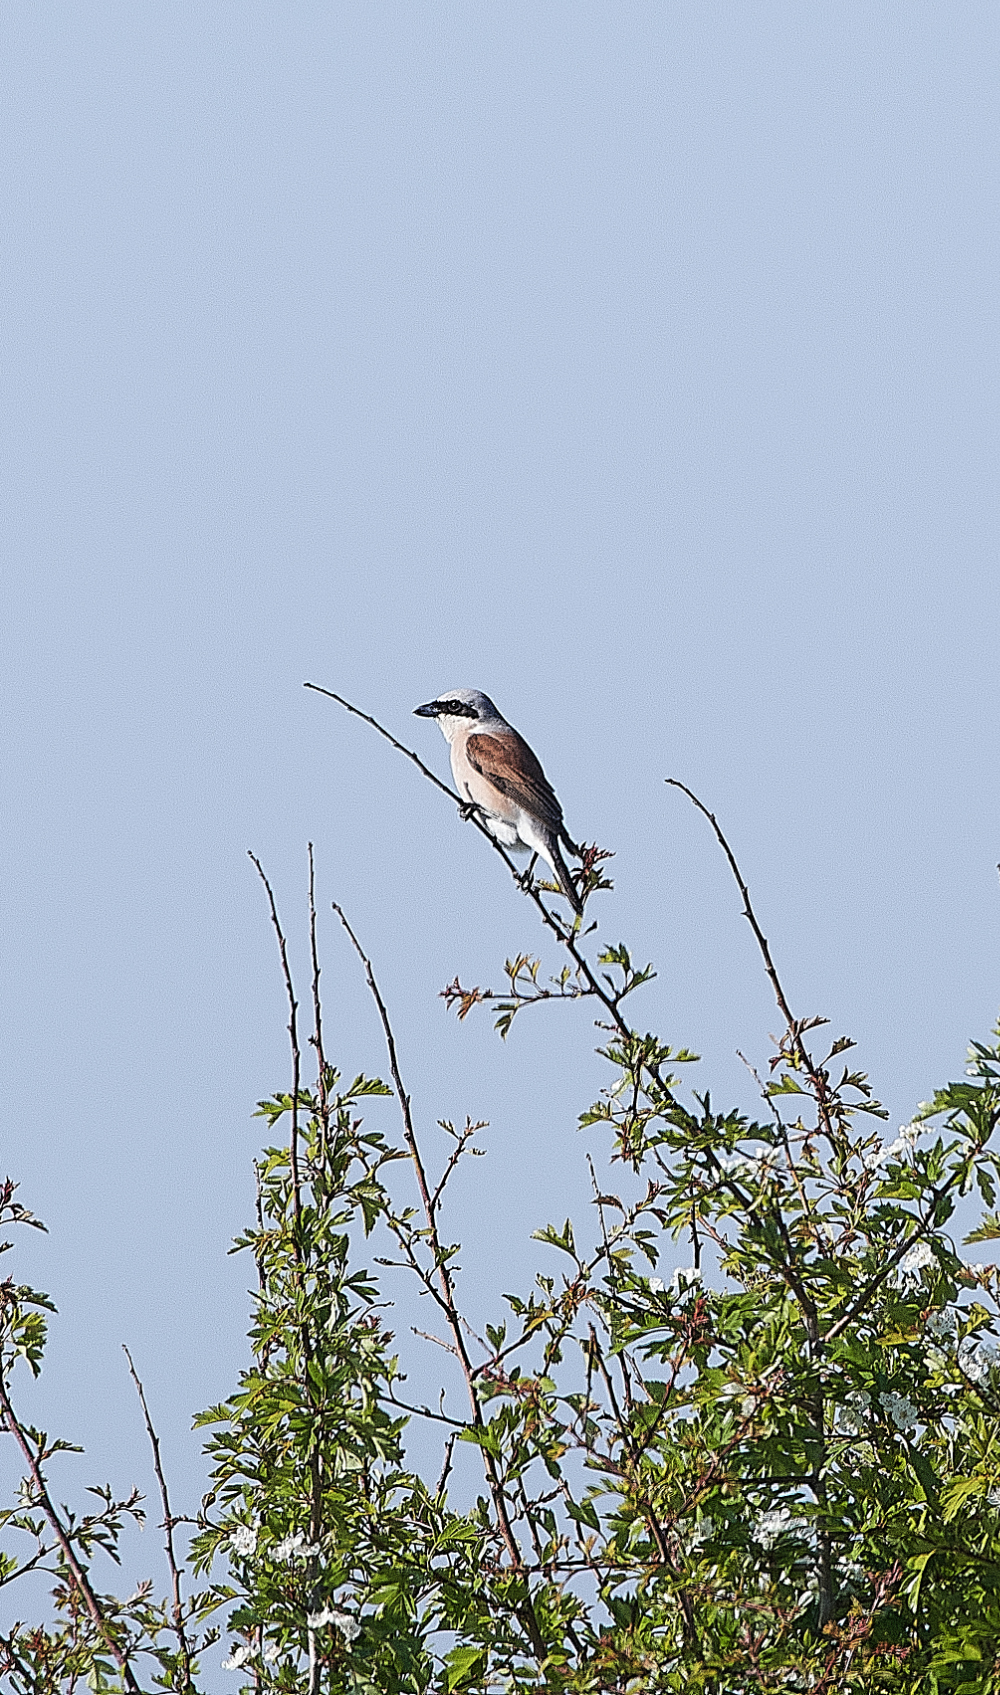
{"x":294,"y":1547}
{"x":852,"y":1415}
{"x":809,"y":1593}
{"x":941,"y":1323}
{"x":656,"y":1285}
{"x":899,"y":1149}
{"x":243,"y":1541}
{"x":770,"y":1526}
{"x":239,"y":1658}
{"x":700,"y":1533}
{"x":755,"y":1163}
{"x":685,"y":1277}
{"x":902,"y":1411}
{"x":976,"y":1357}
{"x":271,"y":1653}
{"x":348,"y":1626}
{"x":914,"y":1261}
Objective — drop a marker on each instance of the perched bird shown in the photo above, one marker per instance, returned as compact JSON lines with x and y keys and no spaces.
{"x":496,"y":772}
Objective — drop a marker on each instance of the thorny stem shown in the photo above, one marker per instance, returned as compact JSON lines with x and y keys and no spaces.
{"x":79,"y":1575}
{"x":447,"y":1288}
{"x":168,"y":1524}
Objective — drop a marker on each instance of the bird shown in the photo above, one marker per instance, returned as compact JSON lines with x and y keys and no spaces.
{"x":498,"y":776}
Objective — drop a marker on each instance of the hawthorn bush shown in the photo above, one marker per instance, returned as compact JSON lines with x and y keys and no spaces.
{"x":775,"y":1469}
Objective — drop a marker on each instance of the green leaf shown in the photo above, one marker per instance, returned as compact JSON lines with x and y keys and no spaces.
{"x":463,"y":1665}
{"x":987,"y":1231}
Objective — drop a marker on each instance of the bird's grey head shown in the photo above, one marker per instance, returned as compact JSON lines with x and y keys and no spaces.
{"x":458,"y":709}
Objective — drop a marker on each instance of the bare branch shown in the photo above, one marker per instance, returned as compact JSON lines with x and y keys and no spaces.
{"x":317,"y":1036}
{"x":428,"y":773}
{"x":293,"y":1036}
{"x":456,"y":1424}
{"x":168,"y":1525}
{"x":794,"y":1025}
{"x":449,"y":1449}
{"x":439,"y":1342}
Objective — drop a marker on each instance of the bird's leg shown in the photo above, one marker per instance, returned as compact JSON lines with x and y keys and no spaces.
{"x":468,"y":809}
{"x":526,"y":879}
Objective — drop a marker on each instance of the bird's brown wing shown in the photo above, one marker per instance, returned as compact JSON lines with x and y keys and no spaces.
{"x":508,"y":763}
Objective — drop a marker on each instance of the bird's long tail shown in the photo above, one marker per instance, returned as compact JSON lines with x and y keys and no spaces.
{"x":563,"y":877}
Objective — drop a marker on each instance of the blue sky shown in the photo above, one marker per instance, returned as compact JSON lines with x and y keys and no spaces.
{"x":634,"y":363}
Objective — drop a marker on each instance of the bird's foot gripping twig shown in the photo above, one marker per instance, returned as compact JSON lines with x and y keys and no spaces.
{"x":526,"y":878}
{"x":468,"y":809}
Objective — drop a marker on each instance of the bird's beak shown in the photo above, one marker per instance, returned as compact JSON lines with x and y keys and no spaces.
{"x":430,"y":710}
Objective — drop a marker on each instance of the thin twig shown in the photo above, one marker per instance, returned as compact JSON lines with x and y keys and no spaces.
{"x":293,"y":1036}
{"x":428,"y":773}
{"x":425,"y":1412}
{"x":317,"y":1036}
{"x":794,"y":1027}
{"x":80,"y":1579}
{"x":447,"y":1287}
{"x":168,"y":1524}
{"x":449,"y":1449}
{"x":427,"y":1335}
{"x":462,"y":1140}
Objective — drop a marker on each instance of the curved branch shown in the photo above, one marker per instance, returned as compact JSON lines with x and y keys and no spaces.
{"x":428,"y":773}
{"x":169,"y":1521}
{"x":816,"y":1077}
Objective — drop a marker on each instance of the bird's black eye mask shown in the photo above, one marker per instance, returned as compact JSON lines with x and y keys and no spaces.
{"x":446,"y":709}
{"x":458,"y":709}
